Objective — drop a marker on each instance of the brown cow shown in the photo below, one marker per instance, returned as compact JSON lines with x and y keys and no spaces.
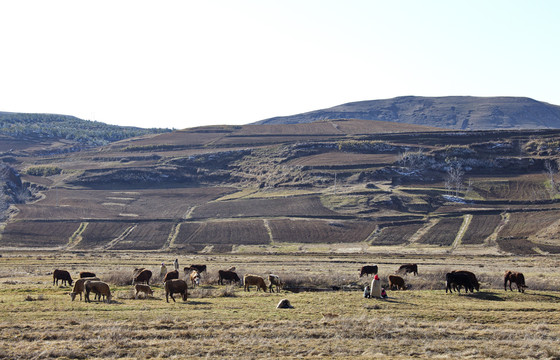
{"x":174,"y":274}
{"x":146,"y":289}
{"x":397,"y":282}
{"x":515,"y":277}
{"x":176,"y":286}
{"x":368,"y":269}
{"x":408,"y":268}
{"x":275,"y":281}
{"x":98,"y":287}
{"x":62,"y":275}
{"x":79,"y":287}
{"x":143,"y":276}
{"x":256,"y":280}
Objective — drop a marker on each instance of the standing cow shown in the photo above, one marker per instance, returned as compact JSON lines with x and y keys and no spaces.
{"x":396,"y":282}
{"x":368,"y":270}
{"x":256,"y":280}
{"x":408,"y":268}
{"x":142,"y":276}
{"x":517,"y":278}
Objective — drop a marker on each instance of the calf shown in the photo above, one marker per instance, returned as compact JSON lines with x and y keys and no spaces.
{"x":256,"y":280}
{"x":86,"y":274}
{"x":275,"y":281}
{"x":62,"y":275}
{"x":146,"y":289}
{"x":228,"y":276}
{"x":176,"y":286}
{"x":174,"y":274}
{"x":515,"y":277}
{"x":397,"y":282}
{"x":408,"y":268}
{"x":142,"y":276}
{"x":456,"y":280}
{"x":368,"y":269}
{"x":79,"y":287}
{"x":98,"y":287}
{"x":195,"y":278}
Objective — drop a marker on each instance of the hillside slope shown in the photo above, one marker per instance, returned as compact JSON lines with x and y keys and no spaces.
{"x":451,"y":112}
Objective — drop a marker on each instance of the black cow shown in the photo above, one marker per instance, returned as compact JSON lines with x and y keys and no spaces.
{"x":456,"y":280}
{"x":368,"y":269}
{"x":62,"y":275}
{"x":199,"y":268}
{"x":408,"y":268}
{"x":472,"y":276}
{"x":228,"y":276}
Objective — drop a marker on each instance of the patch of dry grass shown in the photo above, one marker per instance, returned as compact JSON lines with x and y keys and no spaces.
{"x":226,"y":322}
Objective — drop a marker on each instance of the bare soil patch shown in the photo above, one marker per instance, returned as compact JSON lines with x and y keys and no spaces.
{"x":320,"y":231}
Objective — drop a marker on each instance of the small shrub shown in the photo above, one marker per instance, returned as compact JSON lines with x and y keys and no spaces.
{"x":227,"y":291}
{"x":43,"y":170}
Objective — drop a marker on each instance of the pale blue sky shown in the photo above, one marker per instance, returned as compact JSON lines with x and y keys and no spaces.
{"x":190,"y":63}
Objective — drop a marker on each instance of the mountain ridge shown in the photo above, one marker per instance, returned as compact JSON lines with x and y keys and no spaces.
{"x":450,"y":112}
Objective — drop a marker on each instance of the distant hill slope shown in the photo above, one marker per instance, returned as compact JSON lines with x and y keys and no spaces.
{"x":85,"y":132}
{"x":451,"y":112}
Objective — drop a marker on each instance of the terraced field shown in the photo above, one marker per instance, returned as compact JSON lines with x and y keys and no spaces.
{"x":319,"y":231}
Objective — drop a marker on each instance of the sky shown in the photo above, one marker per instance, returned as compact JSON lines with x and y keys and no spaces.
{"x":181,"y":64}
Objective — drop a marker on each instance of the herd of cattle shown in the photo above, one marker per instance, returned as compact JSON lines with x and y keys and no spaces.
{"x":89,"y":283}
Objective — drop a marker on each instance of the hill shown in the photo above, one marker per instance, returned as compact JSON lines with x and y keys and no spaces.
{"x":24,"y":128}
{"x":327,"y":186}
{"x":451,"y":112}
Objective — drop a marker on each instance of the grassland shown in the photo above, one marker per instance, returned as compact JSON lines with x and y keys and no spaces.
{"x":38,"y":320}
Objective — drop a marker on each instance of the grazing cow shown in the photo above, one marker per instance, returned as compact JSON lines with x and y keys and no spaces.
{"x":456,"y":280}
{"x":228,"y":276}
{"x":408,"y":268}
{"x":199,"y":268}
{"x":275,"y":281}
{"x":143,"y":276}
{"x":86,"y":274}
{"x":195,"y":278}
{"x":79,"y":287}
{"x":472,"y":276}
{"x":146,"y":289}
{"x":368,"y":269}
{"x":98,"y":287}
{"x":397,"y":282}
{"x":174,"y":274}
{"x":515,"y":277}
{"x":256,"y":280}
{"x":176,"y":286}
{"x":62,"y":275}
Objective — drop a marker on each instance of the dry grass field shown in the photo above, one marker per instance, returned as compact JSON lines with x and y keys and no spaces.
{"x":38,"y":320}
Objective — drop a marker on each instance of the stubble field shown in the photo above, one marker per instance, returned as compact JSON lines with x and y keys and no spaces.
{"x":38,"y":320}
